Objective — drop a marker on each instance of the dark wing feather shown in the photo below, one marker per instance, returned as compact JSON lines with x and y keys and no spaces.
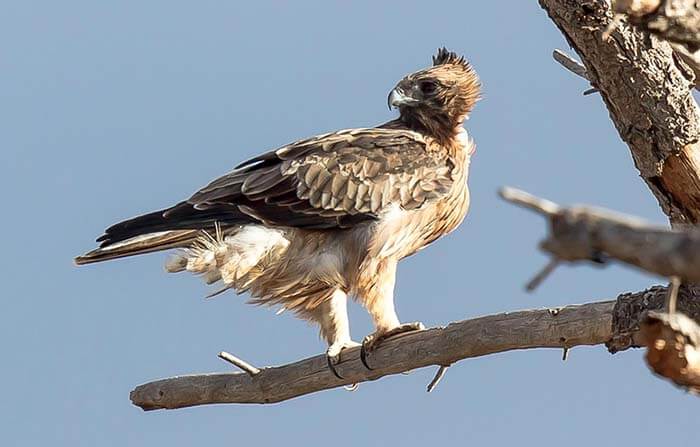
{"x":334,"y":180}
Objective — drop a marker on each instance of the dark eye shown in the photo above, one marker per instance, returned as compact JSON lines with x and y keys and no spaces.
{"x":427,"y":87}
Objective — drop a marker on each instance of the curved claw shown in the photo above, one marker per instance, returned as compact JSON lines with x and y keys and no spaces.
{"x":331,"y":366}
{"x":333,"y":355}
{"x":363,"y":355}
{"x":370,"y":342}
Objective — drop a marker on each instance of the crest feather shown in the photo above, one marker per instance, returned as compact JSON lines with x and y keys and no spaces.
{"x":445,"y":56}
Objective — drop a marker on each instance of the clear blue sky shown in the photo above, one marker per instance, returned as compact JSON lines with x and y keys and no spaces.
{"x":110,"y":109}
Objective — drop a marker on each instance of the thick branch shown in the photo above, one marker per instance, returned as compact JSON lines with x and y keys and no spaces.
{"x":673,"y":20}
{"x":590,"y":234}
{"x":647,"y":92}
{"x":610,"y":322}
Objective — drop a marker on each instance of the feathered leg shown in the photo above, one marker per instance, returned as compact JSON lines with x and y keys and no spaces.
{"x":378,"y":298}
{"x":332,"y":316}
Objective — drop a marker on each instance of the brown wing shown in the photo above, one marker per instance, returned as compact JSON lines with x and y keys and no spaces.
{"x":334,"y":180}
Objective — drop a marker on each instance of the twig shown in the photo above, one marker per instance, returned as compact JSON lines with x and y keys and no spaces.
{"x":542,"y":274}
{"x":672,"y":296}
{"x":574,"y":67}
{"x":242,"y":364}
{"x":527,"y":200}
{"x":438,"y":377}
{"x":570,"y":64}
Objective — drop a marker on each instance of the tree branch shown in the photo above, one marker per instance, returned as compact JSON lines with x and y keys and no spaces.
{"x":591,"y":234}
{"x":588,"y":324}
{"x":613,"y":323}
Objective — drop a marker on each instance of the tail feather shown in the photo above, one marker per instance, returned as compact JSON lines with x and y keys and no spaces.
{"x":183,"y":216}
{"x":145,"y":243}
{"x":173,"y":227}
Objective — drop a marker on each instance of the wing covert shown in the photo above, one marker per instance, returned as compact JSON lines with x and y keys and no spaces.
{"x":334,"y":180}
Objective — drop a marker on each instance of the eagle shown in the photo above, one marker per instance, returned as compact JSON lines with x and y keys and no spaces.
{"x":308,"y":225}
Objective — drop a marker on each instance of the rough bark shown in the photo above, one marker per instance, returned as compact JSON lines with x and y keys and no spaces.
{"x":673,"y":20}
{"x":591,"y":234}
{"x":647,"y":92}
{"x":630,"y":309}
{"x":612,"y":322}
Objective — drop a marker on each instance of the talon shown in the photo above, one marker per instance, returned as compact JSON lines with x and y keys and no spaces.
{"x":363,"y":352}
{"x":370,"y":342}
{"x":333,"y":355}
{"x":331,"y":366}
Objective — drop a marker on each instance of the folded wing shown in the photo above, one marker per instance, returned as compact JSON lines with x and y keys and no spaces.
{"x":332,"y":181}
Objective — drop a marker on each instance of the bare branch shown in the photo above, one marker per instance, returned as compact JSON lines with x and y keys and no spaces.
{"x":591,"y":234}
{"x":438,"y":377}
{"x":672,"y":296}
{"x":242,"y":364}
{"x":573,"y":66}
{"x":542,"y":274}
{"x":529,"y":201}
{"x":614,"y":323}
{"x":570,"y":64}
{"x":588,"y":324}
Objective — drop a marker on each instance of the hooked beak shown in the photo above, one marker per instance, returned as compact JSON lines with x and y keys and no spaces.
{"x":398,"y":98}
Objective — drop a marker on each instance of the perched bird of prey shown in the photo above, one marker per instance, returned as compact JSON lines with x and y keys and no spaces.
{"x":313,"y":222}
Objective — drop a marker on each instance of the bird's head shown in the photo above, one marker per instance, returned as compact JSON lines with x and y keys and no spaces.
{"x":438,"y":99}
